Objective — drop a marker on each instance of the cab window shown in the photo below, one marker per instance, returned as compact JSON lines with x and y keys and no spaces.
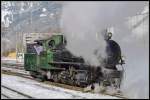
{"x":51,"y":44}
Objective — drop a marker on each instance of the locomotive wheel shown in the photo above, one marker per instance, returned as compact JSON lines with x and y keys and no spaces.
{"x":55,"y":78}
{"x":33,"y":74}
{"x":77,"y":83}
{"x":40,"y":78}
{"x":92,"y":87}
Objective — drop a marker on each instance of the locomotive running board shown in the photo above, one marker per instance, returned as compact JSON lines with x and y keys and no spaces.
{"x":67,"y":63}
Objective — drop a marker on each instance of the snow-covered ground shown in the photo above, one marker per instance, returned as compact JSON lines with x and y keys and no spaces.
{"x":41,"y":90}
{"x":10,"y":60}
{"x":11,"y":94}
{"x":15,"y":70}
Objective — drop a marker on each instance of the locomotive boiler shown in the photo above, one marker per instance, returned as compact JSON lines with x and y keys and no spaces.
{"x":49,"y":59}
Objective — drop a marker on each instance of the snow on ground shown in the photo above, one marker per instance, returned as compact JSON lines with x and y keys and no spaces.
{"x":15,"y":70}
{"x":41,"y":90}
{"x":10,"y":60}
{"x":3,"y":97}
{"x":11,"y":94}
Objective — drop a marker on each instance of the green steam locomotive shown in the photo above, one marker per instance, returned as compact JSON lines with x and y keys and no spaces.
{"x":49,"y":59}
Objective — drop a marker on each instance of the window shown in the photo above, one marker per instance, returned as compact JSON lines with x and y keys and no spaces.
{"x":51,"y":44}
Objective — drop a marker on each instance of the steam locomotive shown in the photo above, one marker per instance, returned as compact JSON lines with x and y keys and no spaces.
{"x":49,"y":59}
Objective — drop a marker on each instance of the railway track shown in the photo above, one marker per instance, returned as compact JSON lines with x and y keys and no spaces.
{"x":11,"y":65}
{"x":54,"y":83}
{"x":13,"y":93}
{"x":5,"y":96}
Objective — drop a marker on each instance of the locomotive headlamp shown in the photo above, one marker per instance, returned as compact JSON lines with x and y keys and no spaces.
{"x":109,"y":35}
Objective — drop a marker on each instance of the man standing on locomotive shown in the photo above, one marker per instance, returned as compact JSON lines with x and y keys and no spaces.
{"x":39,"y":48}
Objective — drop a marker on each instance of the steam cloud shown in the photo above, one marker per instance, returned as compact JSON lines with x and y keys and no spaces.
{"x":83,"y":24}
{"x":81,"y":21}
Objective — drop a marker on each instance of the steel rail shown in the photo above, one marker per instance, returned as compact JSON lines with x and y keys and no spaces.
{"x":20,"y":93}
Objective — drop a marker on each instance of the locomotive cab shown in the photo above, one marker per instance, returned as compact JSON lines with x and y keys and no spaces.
{"x":39,"y":53}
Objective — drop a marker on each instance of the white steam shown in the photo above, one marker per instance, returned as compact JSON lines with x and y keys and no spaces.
{"x":134,"y":43}
{"x":83,"y":23}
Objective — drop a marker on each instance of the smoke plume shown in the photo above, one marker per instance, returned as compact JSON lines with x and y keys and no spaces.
{"x":83,"y":23}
